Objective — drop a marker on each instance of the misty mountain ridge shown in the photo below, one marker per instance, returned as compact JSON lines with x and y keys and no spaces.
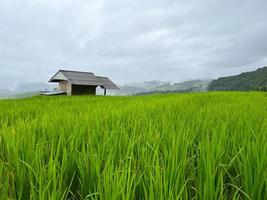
{"x":26,"y":89}
{"x":161,"y":86}
{"x":247,"y":81}
{"x":147,"y":84}
{"x":126,"y":89}
{"x":33,"y":87}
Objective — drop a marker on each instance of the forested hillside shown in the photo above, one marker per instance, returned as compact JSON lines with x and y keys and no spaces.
{"x":256,"y":81}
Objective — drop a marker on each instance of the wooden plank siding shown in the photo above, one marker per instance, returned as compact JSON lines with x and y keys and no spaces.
{"x":65,"y":86}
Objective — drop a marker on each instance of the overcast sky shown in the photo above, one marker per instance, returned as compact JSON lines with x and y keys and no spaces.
{"x":131,"y":40}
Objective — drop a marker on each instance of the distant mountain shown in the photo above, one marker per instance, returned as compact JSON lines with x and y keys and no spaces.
{"x":255,"y":81}
{"x":134,"y":88}
{"x":33,"y":87}
{"x":5,"y":93}
{"x":150,"y":87}
{"x":25,"y":90}
{"x":128,"y":89}
{"x":199,"y":84}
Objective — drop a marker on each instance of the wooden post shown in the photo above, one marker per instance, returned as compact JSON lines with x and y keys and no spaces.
{"x":105,"y":91}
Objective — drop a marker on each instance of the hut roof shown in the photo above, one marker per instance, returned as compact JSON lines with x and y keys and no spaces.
{"x":107,"y":83}
{"x":83,"y":78}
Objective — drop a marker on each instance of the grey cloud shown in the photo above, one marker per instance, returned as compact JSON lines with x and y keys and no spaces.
{"x":131,"y":40}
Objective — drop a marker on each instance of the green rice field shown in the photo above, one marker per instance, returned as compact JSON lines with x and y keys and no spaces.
{"x":204,"y":146}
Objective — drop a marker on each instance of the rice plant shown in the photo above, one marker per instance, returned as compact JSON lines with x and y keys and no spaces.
{"x":189,"y":146}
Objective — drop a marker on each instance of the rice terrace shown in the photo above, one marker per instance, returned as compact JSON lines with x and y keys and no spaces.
{"x":176,"y":146}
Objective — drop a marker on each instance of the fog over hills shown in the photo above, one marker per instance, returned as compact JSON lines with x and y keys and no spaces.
{"x":26,"y":88}
{"x":31,"y":87}
{"x":254,"y":80}
{"x":127,"y":89}
{"x":162,"y":86}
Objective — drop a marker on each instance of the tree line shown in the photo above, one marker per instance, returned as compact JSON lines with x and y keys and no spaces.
{"x":248,"y":81}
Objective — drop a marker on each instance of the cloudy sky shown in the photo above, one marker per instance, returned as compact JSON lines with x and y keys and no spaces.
{"x":131,"y":40}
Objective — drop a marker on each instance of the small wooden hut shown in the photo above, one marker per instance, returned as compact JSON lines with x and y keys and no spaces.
{"x":80,"y":83}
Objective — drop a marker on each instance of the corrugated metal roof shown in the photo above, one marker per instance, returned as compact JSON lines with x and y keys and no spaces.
{"x":84,"y":78}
